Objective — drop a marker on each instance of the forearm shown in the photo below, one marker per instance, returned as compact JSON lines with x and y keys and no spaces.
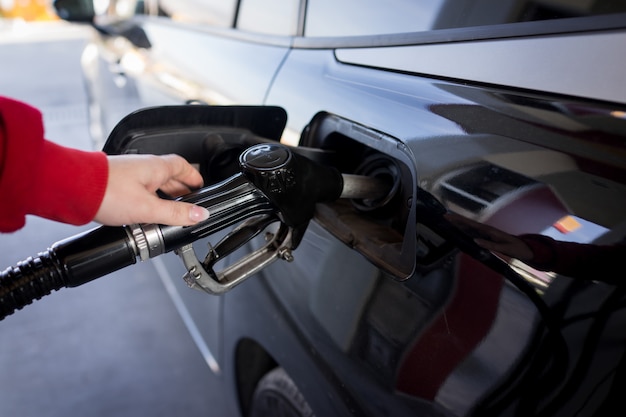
{"x":577,"y":260}
{"x":70,"y":184}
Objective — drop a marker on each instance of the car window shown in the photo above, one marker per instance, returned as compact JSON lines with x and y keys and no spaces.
{"x":122,"y":9}
{"x":373,"y":17}
{"x":213,"y":12}
{"x":368,"y":17}
{"x":273,"y":17}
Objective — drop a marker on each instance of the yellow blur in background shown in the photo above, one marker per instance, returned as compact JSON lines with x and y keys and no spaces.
{"x":27,"y":10}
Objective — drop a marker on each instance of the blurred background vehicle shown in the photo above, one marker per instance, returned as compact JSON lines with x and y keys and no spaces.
{"x":512,"y":114}
{"x":27,"y":10}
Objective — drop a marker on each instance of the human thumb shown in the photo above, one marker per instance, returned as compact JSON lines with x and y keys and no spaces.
{"x":176,"y":213}
{"x":198,"y":213}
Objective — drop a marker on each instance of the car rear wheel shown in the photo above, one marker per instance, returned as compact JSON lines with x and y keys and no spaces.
{"x":277,"y":395}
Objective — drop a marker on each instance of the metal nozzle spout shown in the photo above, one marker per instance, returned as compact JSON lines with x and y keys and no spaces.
{"x":365,"y":187}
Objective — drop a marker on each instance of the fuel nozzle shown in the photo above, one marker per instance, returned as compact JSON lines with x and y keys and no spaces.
{"x":291,"y":182}
{"x":295,"y":183}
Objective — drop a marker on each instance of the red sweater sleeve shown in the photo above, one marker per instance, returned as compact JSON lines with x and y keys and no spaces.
{"x":42,"y":178}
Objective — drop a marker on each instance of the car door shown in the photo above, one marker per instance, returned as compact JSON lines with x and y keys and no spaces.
{"x":166,"y":52}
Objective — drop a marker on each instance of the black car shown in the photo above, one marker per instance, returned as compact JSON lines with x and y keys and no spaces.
{"x":486,"y":120}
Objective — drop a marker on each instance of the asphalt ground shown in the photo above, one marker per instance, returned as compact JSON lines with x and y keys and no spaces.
{"x":112,"y":347}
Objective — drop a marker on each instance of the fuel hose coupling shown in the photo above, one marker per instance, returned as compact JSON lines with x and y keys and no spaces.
{"x":148,"y":240}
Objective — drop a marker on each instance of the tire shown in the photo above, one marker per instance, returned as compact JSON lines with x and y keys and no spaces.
{"x":276,"y":395}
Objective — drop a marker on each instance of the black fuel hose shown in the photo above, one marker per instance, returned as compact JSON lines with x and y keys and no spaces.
{"x":68,"y":263}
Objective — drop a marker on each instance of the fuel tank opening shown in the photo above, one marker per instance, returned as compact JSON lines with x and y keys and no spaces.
{"x":383,"y":169}
{"x":379,"y":225}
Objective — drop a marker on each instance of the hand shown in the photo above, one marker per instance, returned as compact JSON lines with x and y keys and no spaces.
{"x":491,"y":238}
{"x":130,"y":196}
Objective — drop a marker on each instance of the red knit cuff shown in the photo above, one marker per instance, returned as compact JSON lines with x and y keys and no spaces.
{"x":70,"y":184}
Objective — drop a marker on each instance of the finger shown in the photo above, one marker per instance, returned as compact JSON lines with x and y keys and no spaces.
{"x":486,"y":244}
{"x":182,"y":171}
{"x":175,"y":213}
{"x":175,"y":188}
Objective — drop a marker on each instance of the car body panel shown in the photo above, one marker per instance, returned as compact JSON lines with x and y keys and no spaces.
{"x":491,"y":62}
{"x":183,"y":54}
{"x":483,"y":131}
